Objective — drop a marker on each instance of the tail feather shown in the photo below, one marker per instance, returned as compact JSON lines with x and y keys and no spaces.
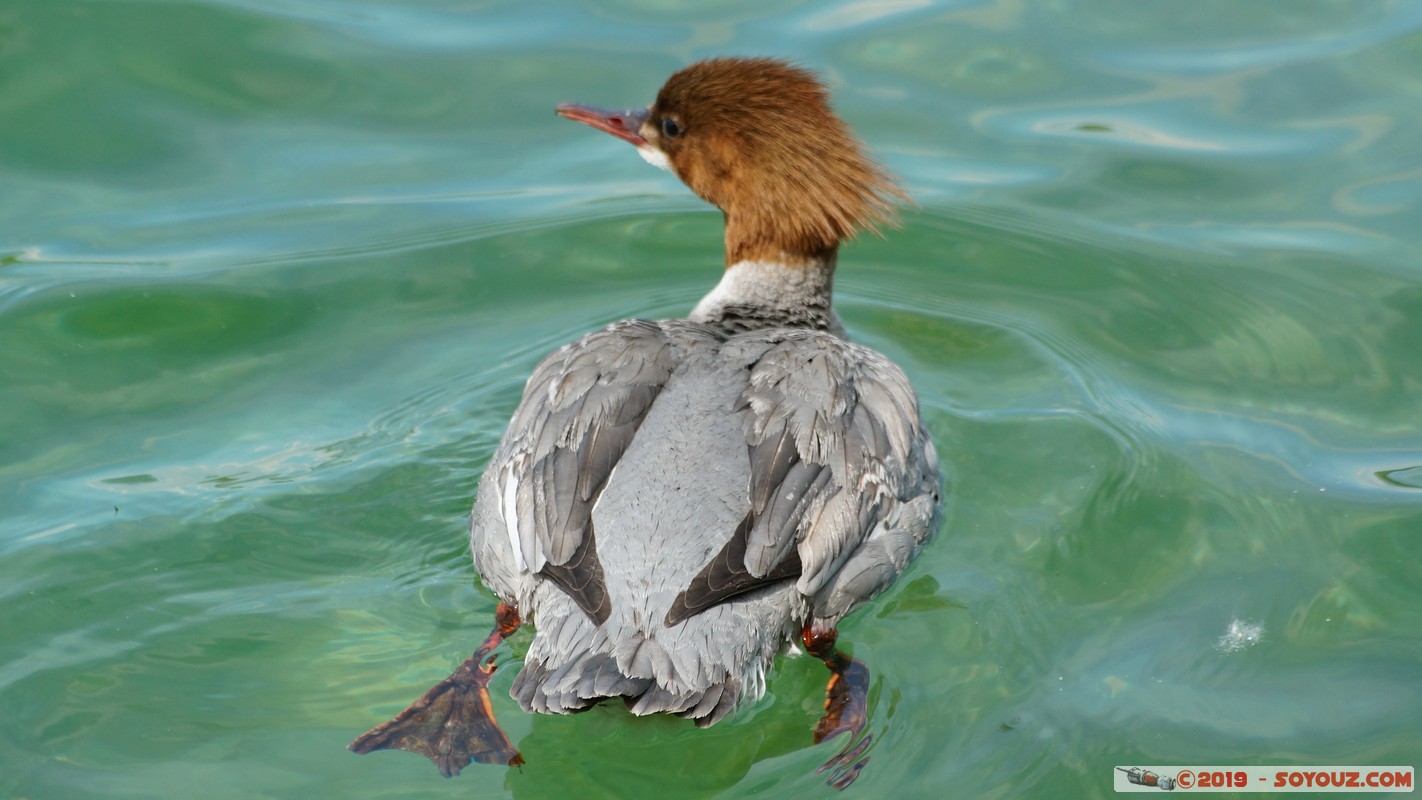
{"x":701,"y":669}
{"x":718,"y":701}
{"x":589,"y":678}
{"x":573,"y":686}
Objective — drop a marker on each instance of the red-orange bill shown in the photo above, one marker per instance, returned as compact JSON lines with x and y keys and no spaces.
{"x":625,"y":124}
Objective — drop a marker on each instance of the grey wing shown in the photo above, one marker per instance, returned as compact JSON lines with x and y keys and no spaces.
{"x":580,"y":411}
{"x":844,"y":484}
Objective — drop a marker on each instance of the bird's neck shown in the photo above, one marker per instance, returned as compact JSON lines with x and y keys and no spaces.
{"x":773,"y":289}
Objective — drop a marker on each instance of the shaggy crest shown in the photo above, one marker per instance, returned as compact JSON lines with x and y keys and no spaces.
{"x":757,"y":138}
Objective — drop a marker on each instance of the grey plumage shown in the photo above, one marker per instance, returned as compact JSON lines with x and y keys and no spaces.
{"x":738,"y":487}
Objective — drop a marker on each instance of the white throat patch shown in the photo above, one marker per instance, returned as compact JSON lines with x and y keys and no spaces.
{"x":655,"y":157}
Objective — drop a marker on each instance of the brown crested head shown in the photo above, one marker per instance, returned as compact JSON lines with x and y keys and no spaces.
{"x":757,"y":138}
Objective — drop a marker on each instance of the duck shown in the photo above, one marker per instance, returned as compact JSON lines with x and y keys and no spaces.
{"x":677,"y":502}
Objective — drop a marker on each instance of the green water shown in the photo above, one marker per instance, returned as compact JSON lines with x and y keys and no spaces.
{"x":272,"y":273}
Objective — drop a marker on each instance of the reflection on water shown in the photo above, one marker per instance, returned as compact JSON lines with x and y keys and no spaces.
{"x":272,"y":275}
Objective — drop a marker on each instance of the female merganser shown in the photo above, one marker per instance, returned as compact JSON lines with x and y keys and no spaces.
{"x":676,"y":502}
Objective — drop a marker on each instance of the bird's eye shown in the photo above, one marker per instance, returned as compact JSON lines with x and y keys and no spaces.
{"x":670,"y":129}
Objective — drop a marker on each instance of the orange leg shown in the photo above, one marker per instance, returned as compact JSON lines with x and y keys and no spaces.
{"x":453,"y":723}
{"x":846,"y":707}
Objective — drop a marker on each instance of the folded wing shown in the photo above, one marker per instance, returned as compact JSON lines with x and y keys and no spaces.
{"x":844,"y":481}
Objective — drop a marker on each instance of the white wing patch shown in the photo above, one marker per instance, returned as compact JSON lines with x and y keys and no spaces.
{"x":509,"y":510}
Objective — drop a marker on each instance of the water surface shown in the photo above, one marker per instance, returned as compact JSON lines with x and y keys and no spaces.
{"x":272,"y":273}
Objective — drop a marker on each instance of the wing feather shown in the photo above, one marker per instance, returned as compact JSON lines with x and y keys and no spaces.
{"x":836,"y":449}
{"x":580,"y":412}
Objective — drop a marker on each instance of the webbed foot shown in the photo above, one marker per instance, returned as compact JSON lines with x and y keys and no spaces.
{"x":846,"y":709}
{"x":453,"y":723}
